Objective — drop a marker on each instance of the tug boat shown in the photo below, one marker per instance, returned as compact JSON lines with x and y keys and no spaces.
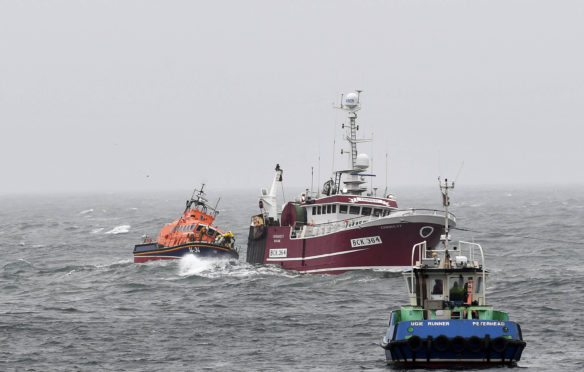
{"x":193,"y":233}
{"x":448,"y":322}
{"x":344,"y":227}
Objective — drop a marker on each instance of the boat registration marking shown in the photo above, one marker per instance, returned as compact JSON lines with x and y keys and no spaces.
{"x":279,"y":252}
{"x":361,"y":242}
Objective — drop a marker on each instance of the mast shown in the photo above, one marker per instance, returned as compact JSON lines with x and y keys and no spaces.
{"x":445,"y":202}
{"x":357,"y":163}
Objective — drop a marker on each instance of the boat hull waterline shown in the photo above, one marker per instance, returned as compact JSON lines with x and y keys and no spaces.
{"x":380,"y":247}
{"x":154,"y":251}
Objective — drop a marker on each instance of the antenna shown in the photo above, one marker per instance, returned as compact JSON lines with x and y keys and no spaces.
{"x":458,"y":174}
{"x":445,"y":202}
{"x":318,"y":174}
{"x":312,"y":180}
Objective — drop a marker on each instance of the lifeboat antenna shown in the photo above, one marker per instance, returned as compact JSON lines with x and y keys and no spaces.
{"x":445,"y":202}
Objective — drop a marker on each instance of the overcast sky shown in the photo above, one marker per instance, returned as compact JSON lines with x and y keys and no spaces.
{"x":151,"y":95}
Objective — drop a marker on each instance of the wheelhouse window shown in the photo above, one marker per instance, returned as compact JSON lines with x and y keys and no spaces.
{"x":385,"y":212}
{"x":313,"y":210}
{"x":366,"y":211}
{"x":437,"y":287}
{"x":354,"y":209}
{"x":377,"y":212}
{"x":329,"y":208}
{"x":457,"y":289}
{"x":211,"y":232}
{"x":343,"y":209}
{"x":334,"y":208}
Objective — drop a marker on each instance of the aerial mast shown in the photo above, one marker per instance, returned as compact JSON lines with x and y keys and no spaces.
{"x":445,"y":202}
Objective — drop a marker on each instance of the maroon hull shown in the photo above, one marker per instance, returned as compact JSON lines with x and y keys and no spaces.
{"x":375,"y":247}
{"x":343,"y":226}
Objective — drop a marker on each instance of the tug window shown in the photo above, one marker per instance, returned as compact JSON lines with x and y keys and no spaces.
{"x":477,"y":285}
{"x":324,"y":209}
{"x":437,"y":288}
{"x":334,"y":208}
{"x":456,"y":289}
{"x":366,"y":211}
{"x":354,"y":210}
{"x":313,"y":210}
{"x":342,"y":209}
{"x":318,"y":210}
{"x":329,"y":208}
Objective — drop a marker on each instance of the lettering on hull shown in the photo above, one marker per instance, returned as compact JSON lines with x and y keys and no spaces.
{"x":362,"y":242}
{"x":278,"y":252}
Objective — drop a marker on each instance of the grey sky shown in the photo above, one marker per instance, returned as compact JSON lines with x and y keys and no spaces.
{"x":144,"y":95}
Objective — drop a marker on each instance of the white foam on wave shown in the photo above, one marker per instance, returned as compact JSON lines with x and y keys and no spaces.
{"x":87,"y":211}
{"x":221,"y":267}
{"x":97,"y":231}
{"x":122,"y":229}
{"x":190,"y":264}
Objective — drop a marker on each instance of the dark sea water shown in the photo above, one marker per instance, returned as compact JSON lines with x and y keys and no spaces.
{"x":72,"y":298}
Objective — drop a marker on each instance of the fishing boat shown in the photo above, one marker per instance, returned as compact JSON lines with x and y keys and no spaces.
{"x":345,"y":227}
{"x":193,"y":233}
{"x":448,"y":322}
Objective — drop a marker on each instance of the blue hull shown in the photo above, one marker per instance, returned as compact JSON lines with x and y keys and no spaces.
{"x":431,"y":343}
{"x":154,"y":251}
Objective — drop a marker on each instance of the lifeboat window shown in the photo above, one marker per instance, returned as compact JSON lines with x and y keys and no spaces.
{"x":211,"y":232}
{"x":366,"y":211}
{"x":329,"y":208}
{"x":199,"y":227}
{"x":334,"y":208}
{"x":342,"y":209}
{"x":354,"y":209}
{"x":377,"y":212}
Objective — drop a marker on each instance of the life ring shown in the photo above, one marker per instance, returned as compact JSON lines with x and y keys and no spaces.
{"x":499,"y":344}
{"x":458,"y":344}
{"x":415,"y":343}
{"x":474,"y":344}
{"x":441,"y":343}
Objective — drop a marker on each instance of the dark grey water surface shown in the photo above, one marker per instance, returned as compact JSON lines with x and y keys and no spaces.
{"x":71,"y":298}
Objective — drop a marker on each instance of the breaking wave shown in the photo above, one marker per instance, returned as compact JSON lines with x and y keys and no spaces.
{"x":122,"y":229}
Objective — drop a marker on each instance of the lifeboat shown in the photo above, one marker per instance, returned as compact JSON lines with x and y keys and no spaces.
{"x":193,"y":233}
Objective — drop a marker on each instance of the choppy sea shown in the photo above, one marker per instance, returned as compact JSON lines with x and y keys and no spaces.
{"x":72,"y":298}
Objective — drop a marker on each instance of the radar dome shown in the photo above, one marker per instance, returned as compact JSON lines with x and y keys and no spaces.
{"x":362,"y":162}
{"x":351,"y":100}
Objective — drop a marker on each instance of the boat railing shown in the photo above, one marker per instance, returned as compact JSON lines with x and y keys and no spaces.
{"x":313,"y":230}
{"x":467,"y":252}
